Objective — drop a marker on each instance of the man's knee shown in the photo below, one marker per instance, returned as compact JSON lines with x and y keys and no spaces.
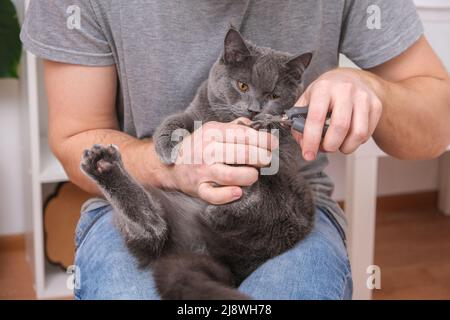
{"x":317,"y":268}
{"x":105,"y":269}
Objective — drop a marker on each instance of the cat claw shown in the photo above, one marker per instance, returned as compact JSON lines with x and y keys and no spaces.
{"x":261,"y":124}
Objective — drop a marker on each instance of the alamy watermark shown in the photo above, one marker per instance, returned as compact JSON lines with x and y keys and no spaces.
{"x":73,"y":280}
{"x":74,"y":17}
{"x":373,"y":21}
{"x":374,"y":279}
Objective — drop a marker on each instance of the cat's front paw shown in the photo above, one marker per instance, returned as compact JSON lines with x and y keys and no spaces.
{"x":100,"y":160}
{"x":166,"y":149}
{"x":166,"y":152}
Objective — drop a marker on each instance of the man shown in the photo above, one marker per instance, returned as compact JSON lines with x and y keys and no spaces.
{"x":115,"y":69}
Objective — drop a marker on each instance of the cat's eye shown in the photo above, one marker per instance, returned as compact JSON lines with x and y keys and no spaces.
{"x":242,"y":86}
{"x":274,"y":96}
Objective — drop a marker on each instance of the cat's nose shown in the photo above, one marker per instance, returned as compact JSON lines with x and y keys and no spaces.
{"x":254,"y":108}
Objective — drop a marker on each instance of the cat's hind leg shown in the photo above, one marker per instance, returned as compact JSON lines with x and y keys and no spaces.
{"x":192,"y":276}
{"x":139,"y":216}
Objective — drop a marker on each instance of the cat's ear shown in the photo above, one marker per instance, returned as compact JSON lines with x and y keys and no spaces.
{"x":300,"y":63}
{"x":235,"y":50}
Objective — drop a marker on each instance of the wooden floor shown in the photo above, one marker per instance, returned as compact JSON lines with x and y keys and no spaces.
{"x":15,"y":274}
{"x":412,"y":250}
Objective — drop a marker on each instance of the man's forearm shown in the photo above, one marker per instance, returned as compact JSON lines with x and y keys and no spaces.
{"x":138,"y":156}
{"x":415,"y":122}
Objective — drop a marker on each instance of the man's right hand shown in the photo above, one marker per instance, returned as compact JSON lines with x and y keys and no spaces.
{"x":203,"y":167}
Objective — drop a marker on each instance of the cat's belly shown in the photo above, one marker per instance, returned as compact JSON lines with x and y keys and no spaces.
{"x":263,"y":223}
{"x":254,"y":196}
{"x":194,"y":225}
{"x":184,"y":218}
{"x":269,"y":219}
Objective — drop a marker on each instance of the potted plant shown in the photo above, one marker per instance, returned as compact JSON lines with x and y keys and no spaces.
{"x":10,"y":45}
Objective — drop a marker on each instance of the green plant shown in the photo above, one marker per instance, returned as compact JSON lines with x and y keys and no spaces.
{"x":10,"y":45}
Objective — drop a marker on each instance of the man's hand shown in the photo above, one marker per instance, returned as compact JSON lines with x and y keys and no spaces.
{"x":355,"y":107}
{"x":203,"y":164}
{"x":413,"y":89}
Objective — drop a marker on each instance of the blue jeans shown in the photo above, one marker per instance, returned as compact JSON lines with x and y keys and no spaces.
{"x":317,"y":268}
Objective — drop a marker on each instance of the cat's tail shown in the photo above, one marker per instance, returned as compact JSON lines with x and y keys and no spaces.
{"x":194,"y":277}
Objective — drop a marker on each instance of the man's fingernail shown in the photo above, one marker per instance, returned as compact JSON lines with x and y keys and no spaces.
{"x":236,"y":192}
{"x":309,"y":156}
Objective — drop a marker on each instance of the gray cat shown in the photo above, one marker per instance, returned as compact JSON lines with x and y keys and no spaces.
{"x":201,"y":251}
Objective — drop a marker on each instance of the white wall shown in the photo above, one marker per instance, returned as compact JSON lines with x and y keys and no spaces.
{"x":11,"y":181}
{"x":11,"y":207}
{"x":435,"y":15}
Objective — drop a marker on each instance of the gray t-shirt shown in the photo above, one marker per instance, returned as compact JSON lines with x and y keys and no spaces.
{"x":163,"y":49}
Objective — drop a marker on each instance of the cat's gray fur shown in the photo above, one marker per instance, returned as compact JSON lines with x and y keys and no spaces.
{"x":198,"y":250}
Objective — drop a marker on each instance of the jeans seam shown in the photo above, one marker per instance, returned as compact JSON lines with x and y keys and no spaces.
{"x":347,"y":278}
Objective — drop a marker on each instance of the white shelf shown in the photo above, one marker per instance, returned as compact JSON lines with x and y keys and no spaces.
{"x":43,"y":168}
{"x":51,"y":170}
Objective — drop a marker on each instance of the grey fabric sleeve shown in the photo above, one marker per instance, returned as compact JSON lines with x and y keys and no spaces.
{"x":369,"y":44}
{"x":51,"y":31}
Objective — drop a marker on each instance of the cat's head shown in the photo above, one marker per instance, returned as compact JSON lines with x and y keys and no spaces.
{"x":249,"y":80}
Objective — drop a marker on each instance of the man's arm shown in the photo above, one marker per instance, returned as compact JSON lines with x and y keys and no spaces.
{"x":415,"y":92}
{"x":82,"y":113}
{"x":404,"y":103}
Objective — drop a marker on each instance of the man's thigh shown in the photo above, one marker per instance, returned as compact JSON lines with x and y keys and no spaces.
{"x":317,"y":268}
{"x":104,"y":267}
